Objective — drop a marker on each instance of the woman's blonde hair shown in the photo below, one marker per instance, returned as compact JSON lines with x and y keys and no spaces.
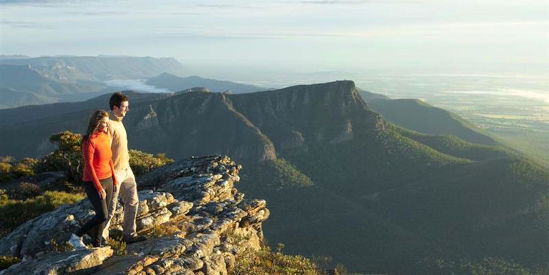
{"x":94,"y":121}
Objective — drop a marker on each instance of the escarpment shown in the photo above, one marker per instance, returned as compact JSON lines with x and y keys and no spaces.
{"x":198,"y":123}
{"x":196,"y":219}
{"x":328,"y":112}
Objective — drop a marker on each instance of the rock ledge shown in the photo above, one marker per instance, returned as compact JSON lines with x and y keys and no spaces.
{"x":197,"y":220}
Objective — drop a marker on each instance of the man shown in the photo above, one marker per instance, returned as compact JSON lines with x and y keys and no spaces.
{"x":127,"y":186}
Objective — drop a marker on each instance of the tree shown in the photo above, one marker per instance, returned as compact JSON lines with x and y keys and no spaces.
{"x":67,"y":157}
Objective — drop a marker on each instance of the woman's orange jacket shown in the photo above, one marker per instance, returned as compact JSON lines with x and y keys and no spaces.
{"x":97,"y":154}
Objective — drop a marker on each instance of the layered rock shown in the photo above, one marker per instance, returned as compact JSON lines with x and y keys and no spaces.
{"x":197,"y":220}
{"x":73,"y":262}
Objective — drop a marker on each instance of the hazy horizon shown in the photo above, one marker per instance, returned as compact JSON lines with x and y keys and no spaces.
{"x":260,"y":39}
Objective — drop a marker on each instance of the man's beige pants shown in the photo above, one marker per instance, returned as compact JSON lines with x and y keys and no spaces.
{"x":127,"y":187}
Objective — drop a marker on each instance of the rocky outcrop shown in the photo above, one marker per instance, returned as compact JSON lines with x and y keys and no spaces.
{"x":197,"y":221}
{"x":73,"y":262}
{"x":149,"y":120}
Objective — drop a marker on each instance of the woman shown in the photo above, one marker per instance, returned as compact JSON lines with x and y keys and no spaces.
{"x":98,"y":178}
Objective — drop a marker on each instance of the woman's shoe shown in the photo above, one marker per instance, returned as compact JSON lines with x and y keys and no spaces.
{"x":133,"y":239}
{"x":101,"y":243}
{"x":77,"y":242}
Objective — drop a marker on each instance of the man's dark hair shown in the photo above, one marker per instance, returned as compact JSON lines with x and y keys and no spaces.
{"x":117,"y":99}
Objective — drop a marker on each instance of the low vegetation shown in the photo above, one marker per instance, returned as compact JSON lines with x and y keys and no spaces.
{"x":118,"y":245}
{"x":266,"y":261}
{"x":277,"y":174}
{"x":23,"y":190}
{"x":11,"y":169}
{"x":490,"y":265}
{"x":22,"y":199}
{"x":68,"y":157}
{"x":15,"y":212}
{"x":7,"y":261}
{"x":57,"y":247}
{"x":143,"y":163}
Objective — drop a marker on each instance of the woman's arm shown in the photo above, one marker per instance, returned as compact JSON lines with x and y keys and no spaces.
{"x":89,"y":151}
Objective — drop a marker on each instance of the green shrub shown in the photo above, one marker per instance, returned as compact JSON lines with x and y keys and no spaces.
{"x":7,"y":159}
{"x":67,"y":157}
{"x":142,"y":163}
{"x":266,"y":261}
{"x":15,"y":212}
{"x":24,"y":190}
{"x":10,"y":169}
{"x":7,"y":261}
{"x":56,"y":247}
{"x":5,"y":171}
{"x":118,"y":245}
{"x":24,"y":168}
{"x":489,"y":265}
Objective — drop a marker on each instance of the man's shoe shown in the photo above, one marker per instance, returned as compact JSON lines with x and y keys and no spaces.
{"x":134,"y":239}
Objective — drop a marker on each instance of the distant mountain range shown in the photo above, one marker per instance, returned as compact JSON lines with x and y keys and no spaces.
{"x":98,"y":68}
{"x":426,"y":118}
{"x":22,"y":85}
{"x":43,"y":80}
{"x":175,"y":83}
{"x":339,"y":178}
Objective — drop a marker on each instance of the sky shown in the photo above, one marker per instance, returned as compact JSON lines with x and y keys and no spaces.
{"x":308,"y":36}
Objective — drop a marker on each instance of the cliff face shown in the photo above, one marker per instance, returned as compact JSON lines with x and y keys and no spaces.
{"x":209,"y":224}
{"x":198,"y":123}
{"x":252,"y":127}
{"x":248,"y":127}
{"x":292,"y":117}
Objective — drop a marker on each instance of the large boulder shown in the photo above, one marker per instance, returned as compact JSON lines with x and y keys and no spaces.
{"x":81,"y":261}
{"x":39,"y":234}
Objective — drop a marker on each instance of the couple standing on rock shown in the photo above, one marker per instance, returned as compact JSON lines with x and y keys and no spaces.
{"x":107,"y":173}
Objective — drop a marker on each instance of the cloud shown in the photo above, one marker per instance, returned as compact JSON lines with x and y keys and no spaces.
{"x":219,"y":6}
{"x":97,"y":13}
{"x":353,"y":2}
{"x":332,"y":2}
{"x":232,"y":6}
{"x":43,"y":2}
{"x":415,"y":31}
{"x":24,"y":24}
{"x":7,"y":2}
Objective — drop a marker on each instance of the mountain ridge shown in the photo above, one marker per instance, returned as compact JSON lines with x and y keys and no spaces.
{"x":177,"y":83}
{"x":429,"y":119}
{"x":23,"y":85}
{"x":99,"y":68}
{"x":50,"y":79}
{"x":378,"y":192}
